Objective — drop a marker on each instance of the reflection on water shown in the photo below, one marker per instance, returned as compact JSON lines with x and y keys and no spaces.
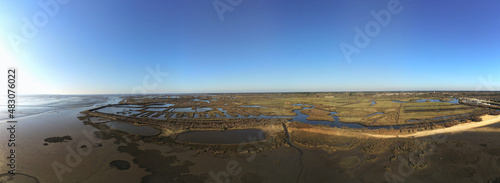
{"x":161,"y":105}
{"x":189,"y":109}
{"x":252,"y":106}
{"x":374,"y":114}
{"x":125,"y":111}
{"x":300,"y":117}
{"x":198,"y":100}
{"x":249,"y":116}
{"x":133,"y":129}
{"x":453,"y":101}
{"x":27,"y":105}
{"x":98,"y":119}
{"x":337,"y":123}
{"x":156,"y":109}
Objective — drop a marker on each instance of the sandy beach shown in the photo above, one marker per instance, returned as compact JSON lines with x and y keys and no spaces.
{"x":487,"y":120}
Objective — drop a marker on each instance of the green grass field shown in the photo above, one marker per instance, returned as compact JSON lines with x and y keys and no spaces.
{"x":350,"y":107}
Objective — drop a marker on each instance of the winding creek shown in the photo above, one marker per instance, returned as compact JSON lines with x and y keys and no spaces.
{"x":128,"y":110}
{"x":301,"y":117}
{"x":239,"y":136}
{"x":288,"y":141}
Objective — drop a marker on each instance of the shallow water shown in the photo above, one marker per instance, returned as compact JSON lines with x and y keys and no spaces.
{"x":155,"y":109}
{"x":189,"y":109}
{"x":337,"y":123}
{"x":98,"y":119}
{"x":128,"y":105}
{"x":374,"y":114}
{"x":161,"y":105}
{"x":199,"y":100}
{"x":301,"y":117}
{"x":453,"y":101}
{"x":249,"y":116}
{"x":251,"y":106}
{"x":133,"y":129}
{"x":27,"y":105}
{"x":125,"y":111}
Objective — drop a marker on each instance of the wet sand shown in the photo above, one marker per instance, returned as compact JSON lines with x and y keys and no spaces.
{"x":35,"y":159}
{"x":149,"y":161}
{"x":487,"y":120}
{"x":462,"y":157}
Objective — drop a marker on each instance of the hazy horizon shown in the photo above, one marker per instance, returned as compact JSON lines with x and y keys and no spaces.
{"x":264,"y":92}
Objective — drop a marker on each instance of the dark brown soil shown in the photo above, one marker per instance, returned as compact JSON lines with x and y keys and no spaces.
{"x":120,"y":164}
{"x":58,"y":139}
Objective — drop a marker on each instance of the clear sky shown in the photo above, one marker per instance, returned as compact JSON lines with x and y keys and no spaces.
{"x":96,"y":47}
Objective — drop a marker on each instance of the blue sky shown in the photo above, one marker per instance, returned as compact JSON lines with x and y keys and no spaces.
{"x":96,"y":47}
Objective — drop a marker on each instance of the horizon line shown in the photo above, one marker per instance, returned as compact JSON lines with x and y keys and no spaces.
{"x":262,"y":92}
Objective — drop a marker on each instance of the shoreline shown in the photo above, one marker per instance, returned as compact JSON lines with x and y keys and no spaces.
{"x":488,"y":120}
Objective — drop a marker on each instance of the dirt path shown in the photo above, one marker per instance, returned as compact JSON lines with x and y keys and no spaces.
{"x":487,"y":120}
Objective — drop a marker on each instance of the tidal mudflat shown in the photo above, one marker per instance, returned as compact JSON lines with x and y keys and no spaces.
{"x":221,"y":137}
{"x":300,"y":139}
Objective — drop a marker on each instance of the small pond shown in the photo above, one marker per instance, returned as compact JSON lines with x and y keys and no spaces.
{"x":133,"y":129}
{"x":374,"y":114}
{"x":189,"y":109}
{"x":161,"y":105}
{"x":453,"y":101}
{"x":156,"y":109}
{"x":126,"y":111}
{"x":251,"y":106}
{"x":198,"y":100}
